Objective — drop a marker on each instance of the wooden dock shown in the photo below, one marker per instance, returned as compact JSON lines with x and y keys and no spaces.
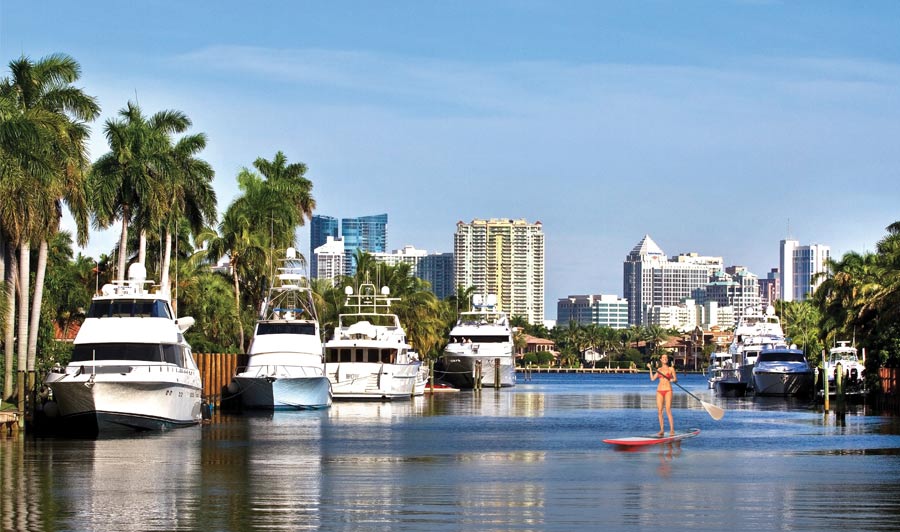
{"x":216,"y":370}
{"x":9,"y":422}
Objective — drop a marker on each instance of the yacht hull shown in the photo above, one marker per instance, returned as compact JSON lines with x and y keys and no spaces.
{"x":459,"y":371}
{"x":783,"y":383}
{"x":290,"y":393}
{"x":730,"y":388}
{"x":372,"y":381}
{"x":103,"y":405}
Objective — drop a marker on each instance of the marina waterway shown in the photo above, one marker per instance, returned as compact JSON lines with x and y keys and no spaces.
{"x":523,"y":458}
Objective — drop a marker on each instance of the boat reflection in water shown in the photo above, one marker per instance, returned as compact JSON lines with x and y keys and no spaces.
{"x":524,"y":458}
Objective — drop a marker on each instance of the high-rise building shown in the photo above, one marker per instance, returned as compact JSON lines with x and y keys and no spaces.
{"x":320,"y":228}
{"x":800,"y":267}
{"x":437,"y":269}
{"x":652,"y":280}
{"x":604,"y":310}
{"x":330,"y":260}
{"x":770,"y":288}
{"x":736,"y":287}
{"x":367,"y":233}
{"x":506,"y":258}
{"x":408,"y":255}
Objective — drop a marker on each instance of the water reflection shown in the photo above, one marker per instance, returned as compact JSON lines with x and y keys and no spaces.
{"x":139,"y":483}
{"x":528,"y":458}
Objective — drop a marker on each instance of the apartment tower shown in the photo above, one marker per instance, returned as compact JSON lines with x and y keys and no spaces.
{"x":503,"y":257}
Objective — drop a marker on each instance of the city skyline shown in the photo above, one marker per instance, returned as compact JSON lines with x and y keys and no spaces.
{"x":719,"y":128}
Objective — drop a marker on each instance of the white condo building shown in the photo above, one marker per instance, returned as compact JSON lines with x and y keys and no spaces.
{"x":503,"y":257}
{"x":800,"y":267}
{"x":688,"y":315}
{"x":651,"y":280}
{"x":409,"y":255}
{"x":330,"y":259}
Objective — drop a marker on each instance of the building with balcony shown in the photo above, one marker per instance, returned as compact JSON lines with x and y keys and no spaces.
{"x":503,"y":257}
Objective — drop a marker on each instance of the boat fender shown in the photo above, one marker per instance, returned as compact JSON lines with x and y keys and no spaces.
{"x":233,"y":387}
{"x":205,"y":410}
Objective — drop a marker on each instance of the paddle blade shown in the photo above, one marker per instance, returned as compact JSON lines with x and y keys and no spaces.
{"x":714,"y":411}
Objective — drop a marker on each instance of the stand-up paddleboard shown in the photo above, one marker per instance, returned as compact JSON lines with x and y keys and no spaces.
{"x":652,"y":440}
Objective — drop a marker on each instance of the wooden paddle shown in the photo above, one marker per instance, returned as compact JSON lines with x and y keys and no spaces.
{"x":714,"y":411}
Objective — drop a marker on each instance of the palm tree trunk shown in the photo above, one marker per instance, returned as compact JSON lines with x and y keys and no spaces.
{"x":237,"y":306}
{"x":9,"y":336}
{"x":167,"y":259}
{"x":123,"y":251}
{"x":142,"y":248}
{"x":4,"y":394}
{"x":35,"y":320}
{"x":24,"y":270}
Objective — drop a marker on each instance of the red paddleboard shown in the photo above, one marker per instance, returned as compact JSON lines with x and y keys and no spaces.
{"x":652,"y":440}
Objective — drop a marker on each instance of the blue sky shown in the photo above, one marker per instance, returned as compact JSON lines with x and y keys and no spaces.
{"x":718,"y":127}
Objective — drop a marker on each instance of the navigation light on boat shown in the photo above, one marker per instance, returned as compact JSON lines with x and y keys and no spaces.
{"x":385,"y":291}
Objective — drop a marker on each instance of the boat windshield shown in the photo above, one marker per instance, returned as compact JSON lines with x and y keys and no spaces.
{"x":781,"y":356}
{"x":171,"y":353}
{"x":286,"y":328}
{"x":129,"y":308}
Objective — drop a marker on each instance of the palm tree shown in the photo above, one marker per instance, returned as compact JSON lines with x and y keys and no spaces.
{"x":41,"y":92}
{"x":245,"y":249}
{"x":655,"y":336}
{"x":800,"y":320}
{"x":461,"y":301}
{"x":192,"y":197}
{"x":128,"y":183}
{"x":844,"y":298}
{"x":289,"y":182}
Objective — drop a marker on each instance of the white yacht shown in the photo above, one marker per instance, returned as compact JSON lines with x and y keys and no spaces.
{"x":852,"y":367}
{"x":286,"y":368}
{"x":481,"y":337}
{"x":754,"y":332}
{"x":720,"y":366}
{"x":368,"y":357}
{"x":131,"y":368}
{"x":782,"y":371}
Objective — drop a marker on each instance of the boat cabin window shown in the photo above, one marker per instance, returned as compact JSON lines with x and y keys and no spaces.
{"x":496,"y":339}
{"x":171,"y":353}
{"x":781,"y":356}
{"x":129,"y":308}
{"x":372,"y":355}
{"x":286,"y":328}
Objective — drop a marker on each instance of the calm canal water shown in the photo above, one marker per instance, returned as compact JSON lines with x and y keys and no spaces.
{"x":527,"y":458}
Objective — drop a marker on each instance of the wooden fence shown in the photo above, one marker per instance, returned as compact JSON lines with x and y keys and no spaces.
{"x":216,"y":370}
{"x":890,"y":380}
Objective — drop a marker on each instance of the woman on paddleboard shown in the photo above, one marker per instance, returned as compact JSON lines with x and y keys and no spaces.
{"x":666,"y":376}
